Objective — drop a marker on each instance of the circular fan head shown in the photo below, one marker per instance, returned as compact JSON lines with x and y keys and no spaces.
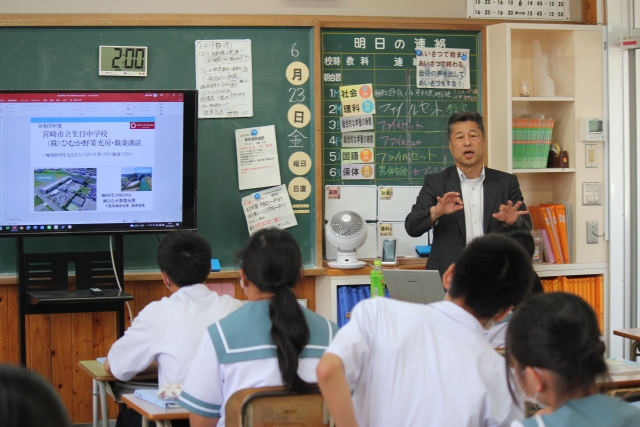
{"x":347,"y":224}
{"x":346,"y":231}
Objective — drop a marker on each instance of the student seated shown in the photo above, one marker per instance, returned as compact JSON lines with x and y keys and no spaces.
{"x":556,"y":357}
{"x":402,"y":364}
{"x":498,"y":332}
{"x":169,"y":331}
{"x":271,"y":341}
{"x":26,"y":399}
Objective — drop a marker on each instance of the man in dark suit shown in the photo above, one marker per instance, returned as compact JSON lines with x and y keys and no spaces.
{"x":491,"y":198}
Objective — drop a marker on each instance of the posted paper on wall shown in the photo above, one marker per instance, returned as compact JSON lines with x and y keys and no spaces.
{"x":443,"y":68}
{"x":257,"y":155}
{"x":224,"y":78}
{"x":268,"y":208}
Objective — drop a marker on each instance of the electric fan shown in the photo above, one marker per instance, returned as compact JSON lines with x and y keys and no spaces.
{"x":346,"y":231}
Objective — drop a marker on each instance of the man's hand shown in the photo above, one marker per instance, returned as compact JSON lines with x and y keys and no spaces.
{"x":509,"y":213}
{"x":447,"y":204}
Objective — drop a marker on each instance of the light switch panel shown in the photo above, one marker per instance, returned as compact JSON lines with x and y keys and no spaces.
{"x":591,"y":193}
{"x":591,"y":155}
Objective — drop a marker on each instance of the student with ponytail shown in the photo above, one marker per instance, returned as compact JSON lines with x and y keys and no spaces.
{"x":271,"y":341}
{"x":556,"y":356}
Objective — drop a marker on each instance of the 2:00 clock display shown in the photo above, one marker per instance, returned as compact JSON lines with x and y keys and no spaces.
{"x":123,"y":61}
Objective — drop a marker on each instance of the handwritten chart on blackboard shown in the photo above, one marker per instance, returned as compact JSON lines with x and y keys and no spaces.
{"x":409,"y":135}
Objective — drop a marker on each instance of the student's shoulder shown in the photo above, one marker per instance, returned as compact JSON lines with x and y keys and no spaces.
{"x":229,"y":301}
{"x":379,"y":306}
{"x":624,"y":413}
{"x":318,"y":323}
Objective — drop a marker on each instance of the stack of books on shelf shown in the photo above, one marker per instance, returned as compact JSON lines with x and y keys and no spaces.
{"x":531,"y":142}
{"x":589,"y":288}
{"x":553,"y":221}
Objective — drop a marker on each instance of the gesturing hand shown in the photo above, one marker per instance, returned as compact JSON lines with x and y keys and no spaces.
{"x":448,"y":203}
{"x":509,"y":213}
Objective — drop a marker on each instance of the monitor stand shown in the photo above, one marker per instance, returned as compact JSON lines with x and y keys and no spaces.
{"x":45,"y":286}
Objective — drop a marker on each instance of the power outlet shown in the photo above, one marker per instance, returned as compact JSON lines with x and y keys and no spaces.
{"x":591,"y":155}
{"x":592,"y":232}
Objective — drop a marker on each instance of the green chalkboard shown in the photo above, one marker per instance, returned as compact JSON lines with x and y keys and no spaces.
{"x":410,"y":122}
{"x":67,"y":58}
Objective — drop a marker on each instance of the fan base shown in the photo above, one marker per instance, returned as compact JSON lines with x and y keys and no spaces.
{"x":347,"y":265}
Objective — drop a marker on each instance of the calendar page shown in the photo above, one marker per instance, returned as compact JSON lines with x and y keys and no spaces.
{"x":547,"y":10}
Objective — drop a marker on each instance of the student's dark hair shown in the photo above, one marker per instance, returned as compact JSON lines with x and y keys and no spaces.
{"x":271,"y":260}
{"x":524,"y":237}
{"x":185,"y":257}
{"x":559,"y":332}
{"x":465,"y":116}
{"x":26,"y":399}
{"x":492,"y":273}
{"x":520,"y":234}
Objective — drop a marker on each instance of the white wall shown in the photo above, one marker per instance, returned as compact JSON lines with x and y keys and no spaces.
{"x":396,"y":8}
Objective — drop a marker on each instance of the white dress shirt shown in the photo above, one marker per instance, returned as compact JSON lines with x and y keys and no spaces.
{"x":473,"y":199}
{"x":169,"y":332}
{"x":422,"y":365}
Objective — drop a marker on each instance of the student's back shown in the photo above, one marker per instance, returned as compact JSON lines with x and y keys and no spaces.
{"x":594,"y":411}
{"x":430,"y":365}
{"x":169,"y":331}
{"x":417,"y":368}
{"x":271,"y":341}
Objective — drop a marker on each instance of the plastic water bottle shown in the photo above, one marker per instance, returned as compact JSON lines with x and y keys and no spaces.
{"x":377,"y":280}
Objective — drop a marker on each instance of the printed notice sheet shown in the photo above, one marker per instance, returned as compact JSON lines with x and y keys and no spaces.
{"x":443,"y":68}
{"x":224,"y":78}
{"x":269,"y":208}
{"x":257,"y":157}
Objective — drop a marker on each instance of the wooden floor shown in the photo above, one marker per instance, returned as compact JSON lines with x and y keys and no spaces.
{"x":56,"y":342}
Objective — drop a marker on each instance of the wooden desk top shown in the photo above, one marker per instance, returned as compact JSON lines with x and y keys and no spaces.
{"x":632,"y":333}
{"x":153,"y":412}
{"x":96,"y":371}
{"x":622,"y":381}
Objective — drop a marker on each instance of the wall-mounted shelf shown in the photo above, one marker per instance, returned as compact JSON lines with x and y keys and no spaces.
{"x":542,"y":98}
{"x":547,"y":170}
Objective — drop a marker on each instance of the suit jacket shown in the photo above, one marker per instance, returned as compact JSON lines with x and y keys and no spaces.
{"x":449,"y":234}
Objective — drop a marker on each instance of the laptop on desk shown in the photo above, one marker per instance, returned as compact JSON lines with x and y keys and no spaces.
{"x":419,"y":286}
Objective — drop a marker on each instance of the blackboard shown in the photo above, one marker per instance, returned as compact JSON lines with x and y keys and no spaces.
{"x":410,"y":123}
{"x":67,"y":58}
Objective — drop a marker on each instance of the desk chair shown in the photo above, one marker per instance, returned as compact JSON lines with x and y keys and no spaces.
{"x":269,"y":406}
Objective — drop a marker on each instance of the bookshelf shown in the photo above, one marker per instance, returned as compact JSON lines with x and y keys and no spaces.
{"x":572,"y":57}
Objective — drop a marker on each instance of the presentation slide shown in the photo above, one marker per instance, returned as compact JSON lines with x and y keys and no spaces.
{"x":83,"y":160}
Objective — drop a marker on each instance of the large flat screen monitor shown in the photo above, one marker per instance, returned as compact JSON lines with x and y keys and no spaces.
{"x":97,"y":162}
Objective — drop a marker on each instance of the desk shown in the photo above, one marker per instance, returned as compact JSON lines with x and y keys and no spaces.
{"x":100,"y":378}
{"x":151,"y":412}
{"x":634,"y":335}
{"x":623,"y":385}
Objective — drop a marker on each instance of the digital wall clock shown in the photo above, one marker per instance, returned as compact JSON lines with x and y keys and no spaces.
{"x":129,"y":61}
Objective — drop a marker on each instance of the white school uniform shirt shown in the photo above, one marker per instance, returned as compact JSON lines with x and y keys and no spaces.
{"x":169,"y":332}
{"x":473,"y":200}
{"x":238,"y":352}
{"x":422,"y":365}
